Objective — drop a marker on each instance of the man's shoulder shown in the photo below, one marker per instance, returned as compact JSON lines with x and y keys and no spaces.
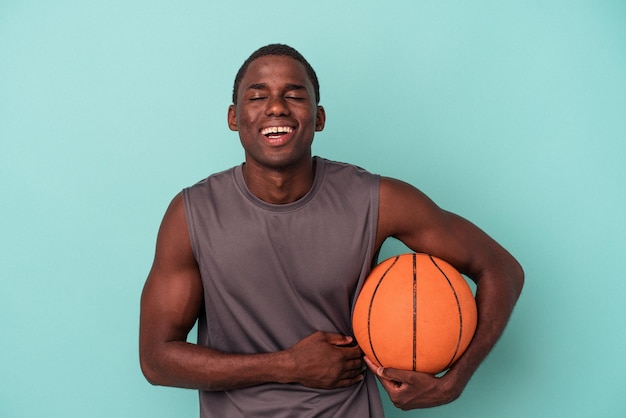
{"x":333,"y":167}
{"x":217,"y":177}
{"x":349,"y":180}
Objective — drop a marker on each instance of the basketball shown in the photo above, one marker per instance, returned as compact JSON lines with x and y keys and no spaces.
{"x":414,"y":312}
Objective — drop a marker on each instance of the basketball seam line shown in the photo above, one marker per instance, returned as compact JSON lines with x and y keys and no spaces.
{"x":369,"y":311}
{"x":414,"y":312}
{"x":458,"y":304}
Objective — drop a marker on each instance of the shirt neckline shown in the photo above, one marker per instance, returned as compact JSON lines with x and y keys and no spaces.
{"x":320,"y":170}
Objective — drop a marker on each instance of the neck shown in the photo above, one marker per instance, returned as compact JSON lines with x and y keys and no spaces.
{"x":279,"y":186}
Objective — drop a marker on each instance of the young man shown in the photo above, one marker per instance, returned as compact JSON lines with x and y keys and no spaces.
{"x":269,"y":256}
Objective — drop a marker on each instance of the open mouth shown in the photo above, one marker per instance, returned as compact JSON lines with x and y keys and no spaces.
{"x":273,"y":132}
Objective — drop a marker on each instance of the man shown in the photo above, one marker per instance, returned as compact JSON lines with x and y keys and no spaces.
{"x":268,"y":257}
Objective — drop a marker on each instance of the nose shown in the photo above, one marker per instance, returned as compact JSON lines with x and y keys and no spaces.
{"x":277,"y":106}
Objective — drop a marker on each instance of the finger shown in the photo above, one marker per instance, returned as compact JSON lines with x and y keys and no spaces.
{"x":405,"y":375}
{"x":375,"y":368}
{"x":390,"y":386}
{"x":352,"y":353}
{"x":385,"y":375}
{"x":355,"y":365}
{"x":350,"y":374}
{"x":340,"y":340}
{"x":394,"y":375}
{"x":349,"y":381}
{"x":380,"y":371}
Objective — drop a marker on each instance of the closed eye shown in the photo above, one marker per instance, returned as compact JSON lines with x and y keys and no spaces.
{"x":295,"y":92}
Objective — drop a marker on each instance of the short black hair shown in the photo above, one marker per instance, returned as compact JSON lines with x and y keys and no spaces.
{"x":282,"y":50}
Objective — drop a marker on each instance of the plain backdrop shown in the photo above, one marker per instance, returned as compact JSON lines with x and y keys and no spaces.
{"x":511,"y":114}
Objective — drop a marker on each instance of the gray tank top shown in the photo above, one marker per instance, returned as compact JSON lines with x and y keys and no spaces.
{"x":273,"y":274}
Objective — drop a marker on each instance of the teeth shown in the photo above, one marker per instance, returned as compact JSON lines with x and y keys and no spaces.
{"x":276,"y":130}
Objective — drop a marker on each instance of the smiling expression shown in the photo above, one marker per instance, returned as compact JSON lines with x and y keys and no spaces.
{"x":276,"y":114}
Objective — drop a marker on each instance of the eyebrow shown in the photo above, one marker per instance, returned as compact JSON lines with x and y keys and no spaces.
{"x":263,"y":86}
{"x":257,"y":86}
{"x":295,"y":87}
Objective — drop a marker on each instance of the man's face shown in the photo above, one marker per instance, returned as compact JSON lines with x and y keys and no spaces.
{"x":276,"y":114}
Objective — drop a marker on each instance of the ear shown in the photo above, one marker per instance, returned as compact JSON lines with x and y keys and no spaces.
{"x":232,"y":117}
{"x":320,"y":121}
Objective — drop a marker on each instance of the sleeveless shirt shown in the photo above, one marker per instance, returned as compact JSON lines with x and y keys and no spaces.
{"x":274,"y":274}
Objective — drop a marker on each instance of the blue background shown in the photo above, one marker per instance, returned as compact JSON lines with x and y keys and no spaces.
{"x":511,"y":114}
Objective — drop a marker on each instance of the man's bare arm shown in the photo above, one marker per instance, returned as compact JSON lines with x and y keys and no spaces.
{"x":410,"y":216}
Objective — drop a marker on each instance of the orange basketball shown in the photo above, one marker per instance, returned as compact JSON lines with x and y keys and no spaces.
{"x":414,"y":312}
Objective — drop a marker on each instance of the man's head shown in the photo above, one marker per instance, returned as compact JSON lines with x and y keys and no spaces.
{"x":280,"y":50}
{"x":275,"y":112}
